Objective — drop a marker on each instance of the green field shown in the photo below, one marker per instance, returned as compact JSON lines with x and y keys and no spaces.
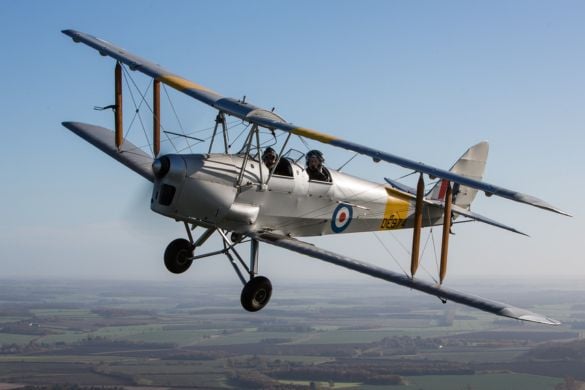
{"x":10,"y":338}
{"x":482,"y":382}
{"x":454,"y":382}
{"x":325,"y":385}
{"x":159,"y":336}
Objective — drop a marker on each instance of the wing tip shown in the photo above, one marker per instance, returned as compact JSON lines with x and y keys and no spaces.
{"x":540,"y":319}
{"x":525,"y":315}
{"x":68,"y":124}
{"x":550,"y":207}
{"x":564,"y":213}
{"x":69,"y":32}
{"x":557,"y":210}
{"x":73,"y":126}
{"x":536,"y":202}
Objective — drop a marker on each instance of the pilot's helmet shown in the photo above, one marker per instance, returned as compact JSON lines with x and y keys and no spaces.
{"x":316,"y":153}
{"x":267,"y":152}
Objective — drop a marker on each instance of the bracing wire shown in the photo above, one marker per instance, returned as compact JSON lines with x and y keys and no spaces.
{"x":405,"y":176}
{"x":432,"y":235}
{"x":400,"y":243}
{"x":239,"y":135}
{"x":390,"y":253}
{"x":131,"y":82}
{"x":171,"y":138}
{"x":209,"y":137}
{"x":137,"y":106}
{"x":127,"y":76}
{"x":347,"y":162}
{"x":423,"y":253}
{"x":304,"y":142}
{"x":177,"y":117}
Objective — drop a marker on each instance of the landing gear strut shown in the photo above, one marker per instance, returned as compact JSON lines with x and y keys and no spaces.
{"x":257,"y":289}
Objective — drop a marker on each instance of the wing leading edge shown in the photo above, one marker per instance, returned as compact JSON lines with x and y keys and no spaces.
{"x":134,"y":62}
{"x":103,"y":139}
{"x":378,"y":155}
{"x":487,"y":305}
{"x":265,"y":118}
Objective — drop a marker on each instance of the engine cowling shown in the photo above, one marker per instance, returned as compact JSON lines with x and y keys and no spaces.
{"x":195,"y":187}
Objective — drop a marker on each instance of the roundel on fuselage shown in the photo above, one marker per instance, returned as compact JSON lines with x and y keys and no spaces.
{"x":341,"y":218}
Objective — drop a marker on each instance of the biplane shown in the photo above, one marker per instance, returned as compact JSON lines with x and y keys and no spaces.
{"x":243,"y":200}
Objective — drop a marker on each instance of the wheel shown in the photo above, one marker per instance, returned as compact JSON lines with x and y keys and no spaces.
{"x":236,"y":237}
{"x":177,"y":256}
{"x":256,"y":293}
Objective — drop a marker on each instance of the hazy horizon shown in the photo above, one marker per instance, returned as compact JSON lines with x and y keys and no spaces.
{"x":420,"y":80}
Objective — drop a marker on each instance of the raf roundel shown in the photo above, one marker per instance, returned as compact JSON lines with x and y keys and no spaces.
{"x":341,"y":219}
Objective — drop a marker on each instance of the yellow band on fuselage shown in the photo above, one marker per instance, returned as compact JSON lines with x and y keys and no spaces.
{"x":312,"y":134}
{"x":396,"y":211}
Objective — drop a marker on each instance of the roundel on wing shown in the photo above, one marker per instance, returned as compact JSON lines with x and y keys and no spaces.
{"x":341,"y":218}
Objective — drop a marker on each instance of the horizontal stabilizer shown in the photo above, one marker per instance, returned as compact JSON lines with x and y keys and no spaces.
{"x":457,"y":210}
{"x":130,"y":155}
{"x":441,"y":292}
{"x":471,"y":215}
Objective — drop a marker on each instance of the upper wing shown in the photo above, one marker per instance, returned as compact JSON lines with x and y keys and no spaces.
{"x":441,"y":292}
{"x":140,"y":64}
{"x":265,"y":118}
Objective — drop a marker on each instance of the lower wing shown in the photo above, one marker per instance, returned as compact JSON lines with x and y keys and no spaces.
{"x":128,"y":154}
{"x":498,"y":308}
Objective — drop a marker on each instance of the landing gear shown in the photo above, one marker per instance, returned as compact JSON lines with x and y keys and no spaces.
{"x":179,"y":253}
{"x":257,"y":289}
{"x":256,"y":293}
{"x":178,"y":256}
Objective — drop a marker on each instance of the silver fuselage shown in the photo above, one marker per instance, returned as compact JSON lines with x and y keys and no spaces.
{"x":202,"y":189}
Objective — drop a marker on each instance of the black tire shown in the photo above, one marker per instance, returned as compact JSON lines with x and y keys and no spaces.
{"x":177,"y":256}
{"x":256,"y":294}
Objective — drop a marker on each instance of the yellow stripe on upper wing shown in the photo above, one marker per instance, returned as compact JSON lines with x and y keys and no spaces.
{"x":181,"y":84}
{"x":312,"y":134}
{"x":396,"y":211}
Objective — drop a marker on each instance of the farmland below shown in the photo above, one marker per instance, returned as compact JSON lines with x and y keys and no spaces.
{"x":106,"y":334}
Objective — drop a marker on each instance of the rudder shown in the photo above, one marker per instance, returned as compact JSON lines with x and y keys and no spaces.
{"x":472,"y":165}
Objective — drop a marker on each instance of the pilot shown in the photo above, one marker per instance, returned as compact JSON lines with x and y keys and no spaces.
{"x":283,"y":167}
{"x":315,"y":168}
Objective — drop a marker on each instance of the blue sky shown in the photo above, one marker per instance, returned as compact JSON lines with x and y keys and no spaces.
{"x":424,"y":80}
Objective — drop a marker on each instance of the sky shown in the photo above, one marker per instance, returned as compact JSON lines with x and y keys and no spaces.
{"x":424,"y":80}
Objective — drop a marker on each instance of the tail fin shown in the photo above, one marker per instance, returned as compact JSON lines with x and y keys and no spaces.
{"x":472,"y":165}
